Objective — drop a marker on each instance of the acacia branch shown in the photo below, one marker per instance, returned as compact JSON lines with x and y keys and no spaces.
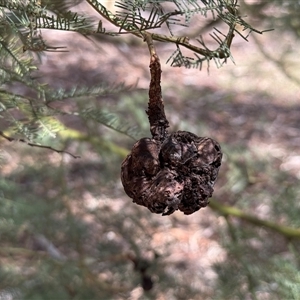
{"x":227,"y":210}
{"x":220,"y":52}
{"x":10,"y":139}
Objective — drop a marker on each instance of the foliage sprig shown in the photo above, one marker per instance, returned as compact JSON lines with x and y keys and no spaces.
{"x":22,"y":26}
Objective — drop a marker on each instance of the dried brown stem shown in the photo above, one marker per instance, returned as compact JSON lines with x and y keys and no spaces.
{"x":156,"y":112}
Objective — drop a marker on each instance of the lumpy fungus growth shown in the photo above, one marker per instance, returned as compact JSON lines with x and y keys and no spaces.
{"x":170,"y":171}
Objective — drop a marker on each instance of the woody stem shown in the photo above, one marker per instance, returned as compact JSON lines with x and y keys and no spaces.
{"x":156,"y":112}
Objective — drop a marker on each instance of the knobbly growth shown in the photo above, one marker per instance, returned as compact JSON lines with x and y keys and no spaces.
{"x":170,"y":171}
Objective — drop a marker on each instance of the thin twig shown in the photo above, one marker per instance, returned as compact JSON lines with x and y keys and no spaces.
{"x":149,"y":40}
{"x":10,"y":139}
{"x":183,"y":41}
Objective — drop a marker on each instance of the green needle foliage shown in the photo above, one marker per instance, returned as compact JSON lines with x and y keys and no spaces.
{"x":21,"y":25}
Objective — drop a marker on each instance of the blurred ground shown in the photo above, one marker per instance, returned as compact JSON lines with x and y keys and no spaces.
{"x":250,"y":104}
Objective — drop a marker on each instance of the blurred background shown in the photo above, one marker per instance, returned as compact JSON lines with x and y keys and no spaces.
{"x":67,"y":228}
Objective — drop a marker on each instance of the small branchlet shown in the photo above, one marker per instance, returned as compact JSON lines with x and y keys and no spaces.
{"x":10,"y":139}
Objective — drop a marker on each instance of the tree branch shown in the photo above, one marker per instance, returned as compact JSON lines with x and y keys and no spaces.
{"x":227,"y":210}
{"x":10,"y":139}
